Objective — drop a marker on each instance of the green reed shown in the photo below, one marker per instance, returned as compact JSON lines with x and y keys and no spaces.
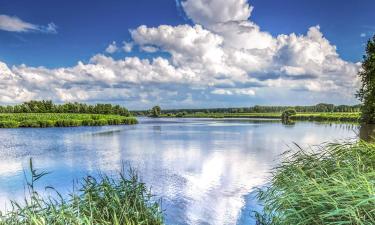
{"x":335,"y":185}
{"x":14,"y":120}
{"x":123,"y":200}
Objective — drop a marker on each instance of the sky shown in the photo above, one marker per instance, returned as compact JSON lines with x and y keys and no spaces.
{"x":183,"y":53}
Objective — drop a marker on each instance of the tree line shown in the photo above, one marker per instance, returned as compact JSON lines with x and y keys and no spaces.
{"x":47,"y":106}
{"x":321,"y":107}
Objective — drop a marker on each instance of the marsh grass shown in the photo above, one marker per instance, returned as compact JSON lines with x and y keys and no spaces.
{"x":123,"y":200}
{"x":335,"y":185}
{"x":14,"y":120}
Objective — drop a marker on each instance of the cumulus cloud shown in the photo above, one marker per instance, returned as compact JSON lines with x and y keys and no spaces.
{"x":127,"y":46}
{"x":15,"y":24}
{"x":112,"y":48}
{"x":223,"y":54}
{"x":209,"y":12}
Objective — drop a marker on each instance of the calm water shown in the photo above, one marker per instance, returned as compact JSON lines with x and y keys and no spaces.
{"x":204,"y":170}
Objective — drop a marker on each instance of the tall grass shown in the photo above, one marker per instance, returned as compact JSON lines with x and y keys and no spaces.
{"x":335,"y":185}
{"x":14,"y":120}
{"x":104,"y":201}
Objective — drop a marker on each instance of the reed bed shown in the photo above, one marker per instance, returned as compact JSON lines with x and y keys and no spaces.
{"x":14,"y":120}
{"x":123,"y":200}
{"x":343,"y":117}
{"x":335,"y":185}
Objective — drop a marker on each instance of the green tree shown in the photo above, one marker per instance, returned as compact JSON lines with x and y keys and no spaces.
{"x":285,"y":116}
{"x":155,"y":111}
{"x":366,"y":93}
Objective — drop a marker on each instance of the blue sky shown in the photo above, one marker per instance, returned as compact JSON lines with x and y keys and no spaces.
{"x":55,"y":35}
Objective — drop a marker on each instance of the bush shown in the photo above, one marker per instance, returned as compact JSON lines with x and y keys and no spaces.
{"x":285,"y":116}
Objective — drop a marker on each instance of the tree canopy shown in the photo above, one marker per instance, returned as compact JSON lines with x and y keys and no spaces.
{"x":47,"y":106}
{"x":155,"y":111}
{"x":367,"y":76}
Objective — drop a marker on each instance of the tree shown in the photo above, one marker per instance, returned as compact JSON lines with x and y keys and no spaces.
{"x":155,"y":111}
{"x":285,"y":116}
{"x":366,"y":93}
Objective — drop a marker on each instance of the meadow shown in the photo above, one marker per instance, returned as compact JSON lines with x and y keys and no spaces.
{"x":14,"y":120}
{"x":334,"y":185}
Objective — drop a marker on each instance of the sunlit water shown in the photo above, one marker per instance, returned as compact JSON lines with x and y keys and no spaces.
{"x":204,"y":170}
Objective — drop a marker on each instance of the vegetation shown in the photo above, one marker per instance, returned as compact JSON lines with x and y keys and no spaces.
{"x":106,"y":201}
{"x":285,"y":116}
{"x":50,"y":107}
{"x":155,"y":111}
{"x":335,"y":116}
{"x":14,"y":120}
{"x":334,"y":185}
{"x":322,"y":107}
{"x":367,"y":91}
{"x":341,"y":117}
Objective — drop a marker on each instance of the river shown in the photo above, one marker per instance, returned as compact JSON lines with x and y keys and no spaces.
{"x":203,"y":170}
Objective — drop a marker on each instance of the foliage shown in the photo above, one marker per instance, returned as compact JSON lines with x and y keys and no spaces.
{"x":367,"y":91}
{"x":341,"y":117}
{"x":336,"y":116}
{"x":13,"y":120}
{"x":155,"y":111}
{"x":285,"y":116}
{"x":124,"y":200}
{"x":49,"y":107}
{"x":334,"y":185}
{"x":321,"y":107}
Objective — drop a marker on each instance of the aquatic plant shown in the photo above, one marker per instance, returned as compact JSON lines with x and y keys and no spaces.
{"x":334,"y":185}
{"x":123,"y":200}
{"x":14,"y":120}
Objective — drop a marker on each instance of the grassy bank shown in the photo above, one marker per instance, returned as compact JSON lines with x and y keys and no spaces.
{"x":343,"y":117}
{"x":14,"y":120}
{"x":334,"y":186}
{"x":334,"y":116}
{"x":123,"y":200}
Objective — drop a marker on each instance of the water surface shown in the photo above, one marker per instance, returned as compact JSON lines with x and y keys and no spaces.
{"x":205,"y":170}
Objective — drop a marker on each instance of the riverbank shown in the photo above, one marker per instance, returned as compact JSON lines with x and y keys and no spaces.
{"x":105,"y":200}
{"x":333,"y":116}
{"x":332,"y":186}
{"x":14,"y":120}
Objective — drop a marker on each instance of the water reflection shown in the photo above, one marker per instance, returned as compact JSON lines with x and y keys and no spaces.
{"x":205,"y":170}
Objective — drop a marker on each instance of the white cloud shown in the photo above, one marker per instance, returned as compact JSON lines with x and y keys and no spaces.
{"x":233,"y":92}
{"x":208,"y":12}
{"x":363,"y":35}
{"x":128,"y":46}
{"x":227,"y":56}
{"x":112,"y":48}
{"x":149,"y":49}
{"x":15,"y":24}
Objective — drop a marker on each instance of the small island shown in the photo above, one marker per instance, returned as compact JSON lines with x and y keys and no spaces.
{"x":42,"y":114}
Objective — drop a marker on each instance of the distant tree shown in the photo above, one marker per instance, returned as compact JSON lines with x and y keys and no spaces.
{"x":366,"y":93}
{"x":155,"y":111}
{"x":285,"y":116}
